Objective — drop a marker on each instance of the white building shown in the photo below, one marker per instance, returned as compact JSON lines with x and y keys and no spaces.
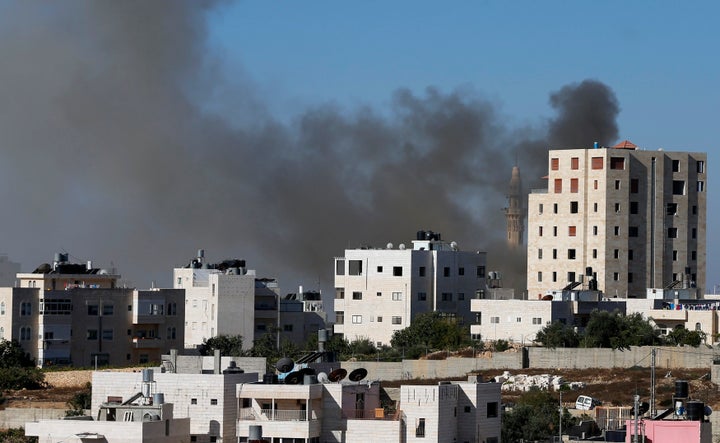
{"x":625,"y":218}
{"x":379,"y":291}
{"x":219,"y":300}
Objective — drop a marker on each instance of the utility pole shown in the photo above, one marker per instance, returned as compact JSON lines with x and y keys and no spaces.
{"x":561,"y":414}
{"x":652,"y":383}
{"x":636,"y":438}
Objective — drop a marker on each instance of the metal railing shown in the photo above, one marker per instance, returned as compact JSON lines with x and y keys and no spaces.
{"x":275,"y":414}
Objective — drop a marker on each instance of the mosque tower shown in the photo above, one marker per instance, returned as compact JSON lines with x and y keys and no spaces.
{"x":514,"y":212}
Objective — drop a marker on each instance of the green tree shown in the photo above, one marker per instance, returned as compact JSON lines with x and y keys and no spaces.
{"x":12,"y":355}
{"x":558,"y":335}
{"x":681,"y":336}
{"x":432,"y":330}
{"x":80,"y":401}
{"x":229,"y":345}
{"x":618,"y":331}
{"x":16,"y":435}
{"x":535,"y":417}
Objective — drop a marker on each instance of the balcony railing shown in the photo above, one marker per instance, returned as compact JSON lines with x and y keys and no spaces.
{"x":147,"y":343}
{"x":376,"y":414}
{"x":275,"y":414}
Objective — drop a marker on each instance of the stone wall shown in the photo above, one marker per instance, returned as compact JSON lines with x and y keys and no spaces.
{"x":17,"y":417}
{"x":586,"y":358}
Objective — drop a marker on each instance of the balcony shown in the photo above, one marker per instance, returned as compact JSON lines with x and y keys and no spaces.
{"x":147,"y":343}
{"x":668,"y":314}
{"x":276,"y":414}
{"x":279,"y":423}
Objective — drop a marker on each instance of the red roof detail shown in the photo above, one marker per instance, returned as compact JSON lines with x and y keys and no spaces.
{"x":625,"y":144}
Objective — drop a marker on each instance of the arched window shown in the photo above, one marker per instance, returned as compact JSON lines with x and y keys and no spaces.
{"x":698,"y":327}
{"x":2,"y":333}
{"x":25,"y":333}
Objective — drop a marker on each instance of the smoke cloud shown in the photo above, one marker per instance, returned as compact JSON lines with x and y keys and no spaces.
{"x":110,"y":152}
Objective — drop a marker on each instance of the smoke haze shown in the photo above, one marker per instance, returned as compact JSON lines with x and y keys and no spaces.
{"x":109,"y":151}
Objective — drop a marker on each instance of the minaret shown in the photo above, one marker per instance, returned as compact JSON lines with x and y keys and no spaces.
{"x":514,"y":212}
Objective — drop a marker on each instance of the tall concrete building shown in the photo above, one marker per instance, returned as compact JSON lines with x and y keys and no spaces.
{"x":69,"y":313}
{"x":619,"y":220}
{"x":515,"y":213}
{"x":379,"y":291}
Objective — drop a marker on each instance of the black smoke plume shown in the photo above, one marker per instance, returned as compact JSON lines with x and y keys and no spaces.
{"x":111,"y":151}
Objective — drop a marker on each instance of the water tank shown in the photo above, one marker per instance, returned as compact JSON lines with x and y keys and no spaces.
{"x":270,"y":379}
{"x":695,"y":410}
{"x":420,"y":235}
{"x":158,"y":398}
{"x":681,"y":389}
{"x":147,"y":375}
{"x":255,"y":432}
{"x":310,"y":379}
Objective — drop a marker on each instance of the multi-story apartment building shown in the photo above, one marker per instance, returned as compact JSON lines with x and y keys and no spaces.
{"x":379,"y":291}
{"x":619,"y":220}
{"x":69,"y":313}
{"x":8,"y":271}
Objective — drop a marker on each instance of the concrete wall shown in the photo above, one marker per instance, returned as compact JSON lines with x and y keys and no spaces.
{"x":17,"y":417}
{"x":582,"y":358}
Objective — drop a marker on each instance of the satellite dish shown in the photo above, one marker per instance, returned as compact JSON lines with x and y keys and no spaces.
{"x":454,"y":246}
{"x":402,"y":246}
{"x":358,"y":374}
{"x":285,"y":364}
{"x":708,"y":410}
{"x":389,"y":246}
{"x":294,"y":378}
{"x":337,"y":375}
{"x":323,"y":378}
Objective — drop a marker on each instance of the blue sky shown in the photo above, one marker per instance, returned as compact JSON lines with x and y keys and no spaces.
{"x":660,"y":58}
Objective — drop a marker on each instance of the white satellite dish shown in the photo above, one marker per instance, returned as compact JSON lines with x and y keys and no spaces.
{"x":323,"y":378}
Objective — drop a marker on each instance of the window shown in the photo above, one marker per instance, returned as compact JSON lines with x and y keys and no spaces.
{"x":554,"y":164}
{"x":107,"y":334}
{"x":25,"y":333}
{"x":671,"y":209}
{"x":108,"y":309}
{"x":617,"y":185}
{"x":420,"y":428}
{"x":616,"y":253}
{"x":573,"y":207}
{"x":461,"y":296}
{"x":554,"y":231}
{"x":193,"y":401}
{"x":357,"y":319}
{"x":558,"y":185}
{"x":421,"y":296}
{"x":379,"y":269}
{"x":539,"y":254}
{"x":554,"y":254}
{"x":617,"y":208}
{"x":555,"y":208}
{"x":340,"y":317}
{"x":700,"y":186}
{"x":616,"y":230}
{"x":676,"y":166}
{"x":630,"y":277}
{"x":540,"y":208}
{"x":25,"y":308}
{"x":446,"y":296}
{"x":630,"y":254}
{"x":540,"y":229}
{"x":397,"y":320}
{"x":288,"y":328}
{"x":494,"y":320}
{"x":518,"y":319}
{"x":355,"y":267}
{"x":571,"y":254}
{"x":595,"y":207}
{"x":421,"y":271}
{"x":357,"y":295}
{"x":537,"y":320}
{"x":539,"y":276}
{"x":171,"y":333}
{"x":672,"y":232}
{"x":461,"y":271}
{"x":571,"y":231}
{"x":2,"y":333}
{"x":379,"y":319}
{"x":467,"y":409}
{"x":339,"y":267}
{"x":397,"y":271}
{"x":397,"y":296}
{"x":574,"y":163}
{"x":172,"y":309}
{"x":595,"y":184}
{"x":693,"y":255}
{"x":92,"y":334}
{"x":554,"y":276}
{"x":594,"y":253}
{"x":2,"y":308}
{"x":446,"y":271}
{"x":92,"y":309}
{"x":339,"y":293}
{"x":570,"y":276}
{"x":574,"y":185}
{"x":694,"y":233}
{"x":674,"y":255}
{"x":492,"y":409}
{"x":596,"y":163}
{"x":633,"y":231}
{"x":481,"y":271}
{"x":595,"y":230}
{"x":617,"y":163}
{"x":694,"y":210}
{"x":213,"y":401}
{"x":634,"y":185}
{"x":700,"y":167}
{"x":616,"y":276}
{"x":633,"y":207}
{"x":679,"y":187}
